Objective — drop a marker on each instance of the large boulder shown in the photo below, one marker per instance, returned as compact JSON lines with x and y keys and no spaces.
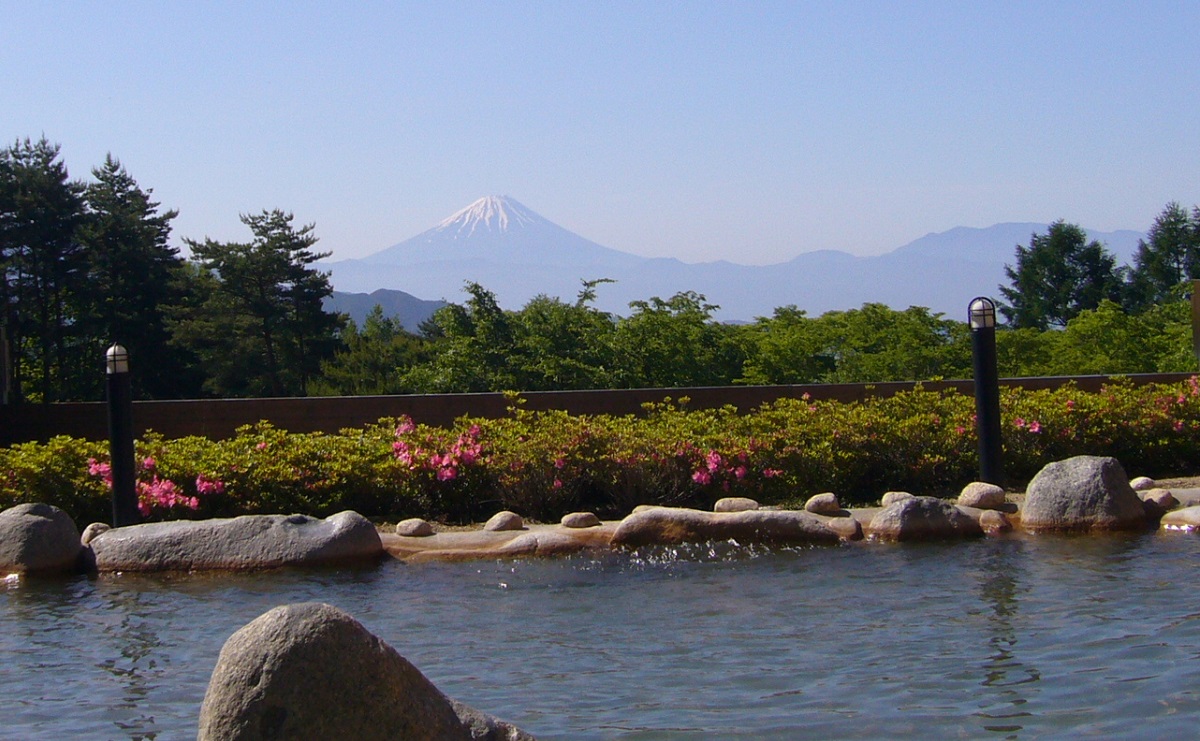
{"x":1080,"y":494}
{"x":670,"y":525}
{"x":240,"y":543}
{"x":311,"y":671}
{"x":38,"y":539}
{"x":922,"y":518}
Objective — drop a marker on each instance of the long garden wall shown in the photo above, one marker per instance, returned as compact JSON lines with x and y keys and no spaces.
{"x":218,"y":418}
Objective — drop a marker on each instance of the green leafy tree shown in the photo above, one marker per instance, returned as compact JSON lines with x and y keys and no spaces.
{"x":565,"y":346}
{"x":787,"y":347}
{"x":258,"y":324}
{"x":474,"y":348}
{"x":1057,"y":276}
{"x":134,"y":276}
{"x":42,"y":269}
{"x":674,"y":342}
{"x":877,"y":343}
{"x":1168,"y":257}
{"x":373,"y":360}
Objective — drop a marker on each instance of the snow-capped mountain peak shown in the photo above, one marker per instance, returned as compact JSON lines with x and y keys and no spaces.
{"x":490,"y":213}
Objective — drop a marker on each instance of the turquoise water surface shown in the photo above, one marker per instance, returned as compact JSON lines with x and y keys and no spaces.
{"x":1021,"y":637}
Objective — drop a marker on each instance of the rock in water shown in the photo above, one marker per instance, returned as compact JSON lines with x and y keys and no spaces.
{"x":671,"y":525}
{"x":923,"y":518}
{"x":310,"y":671}
{"x":239,"y":543}
{"x":1082,"y":493}
{"x":38,"y":539}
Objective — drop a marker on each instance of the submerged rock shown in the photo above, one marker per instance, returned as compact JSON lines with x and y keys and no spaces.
{"x":239,"y":543}
{"x":1082,"y":493}
{"x":311,"y":671}
{"x":38,"y":539}
{"x":923,"y":518}
{"x":672,"y":525}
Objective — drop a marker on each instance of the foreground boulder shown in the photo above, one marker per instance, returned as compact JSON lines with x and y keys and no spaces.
{"x":310,"y":671}
{"x":1080,"y":494}
{"x":38,"y":539}
{"x":240,"y":543}
{"x":923,"y":518}
{"x":672,"y":525}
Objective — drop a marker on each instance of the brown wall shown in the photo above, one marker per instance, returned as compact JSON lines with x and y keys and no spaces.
{"x":219,"y":418}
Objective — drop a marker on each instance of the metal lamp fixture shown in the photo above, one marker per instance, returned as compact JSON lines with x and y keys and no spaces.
{"x":116,"y":359}
{"x":982,"y":313}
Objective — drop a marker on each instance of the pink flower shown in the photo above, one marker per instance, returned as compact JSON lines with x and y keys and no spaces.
{"x":959,"y":429}
{"x":1018,"y":423}
{"x":1178,"y":425}
{"x":406,"y":426}
{"x":713,"y":461}
{"x":559,"y":463}
{"x":207,"y":486}
{"x":1070,"y":404}
{"x":449,"y":473}
{"x":149,"y":463}
{"x":557,"y":484}
{"x":261,"y":446}
{"x":771,"y":473}
{"x":1035,"y":427}
{"x":739,"y":473}
{"x":702,"y":477}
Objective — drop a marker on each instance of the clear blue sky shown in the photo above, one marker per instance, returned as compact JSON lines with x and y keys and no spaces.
{"x":700,"y":130}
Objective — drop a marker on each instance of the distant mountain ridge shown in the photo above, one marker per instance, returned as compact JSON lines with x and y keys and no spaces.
{"x":518,"y":254}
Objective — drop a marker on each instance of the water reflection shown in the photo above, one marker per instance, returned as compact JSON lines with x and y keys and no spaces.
{"x":1007,"y":678}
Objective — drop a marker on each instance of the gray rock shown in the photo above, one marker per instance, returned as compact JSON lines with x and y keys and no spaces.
{"x":240,"y":543}
{"x":994,"y":522}
{"x":981,"y":495}
{"x":38,"y":539}
{"x":891,"y":497}
{"x":847,"y":528}
{"x":504,"y":521}
{"x":1082,"y":493}
{"x":825,"y":503}
{"x":414,"y":527}
{"x":310,"y":671}
{"x":91,"y":531}
{"x":1162,"y":498}
{"x":580,"y":520}
{"x":669,"y":525}
{"x":1186,"y":519}
{"x":735,"y":504}
{"x":1143,"y":483}
{"x":923,"y":518}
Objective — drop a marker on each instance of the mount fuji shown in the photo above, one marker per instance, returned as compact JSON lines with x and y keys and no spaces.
{"x":518,"y":254}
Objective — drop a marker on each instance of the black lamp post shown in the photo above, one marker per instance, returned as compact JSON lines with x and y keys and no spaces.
{"x":982,"y":318}
{"x":120,"y":437}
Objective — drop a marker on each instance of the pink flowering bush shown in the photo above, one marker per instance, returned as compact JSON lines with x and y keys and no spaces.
{"x":544,"y":464}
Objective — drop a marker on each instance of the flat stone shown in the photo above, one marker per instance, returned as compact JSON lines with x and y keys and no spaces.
{"x":580,"y":520}
{"x":414,"y":527}
{"x":1080,"y":494}
{"x":239,"y":543}
{"x":1162,"y":498}
{"x":825,"y":503}
{"x":38,"y":539}
{"x":923,"y":518}
{"x":1142,"y":483}
{"x":504,"y":521}
{"x":982,"y":495}
{"x":312,"y":672}
{"x":735,"y":504}
{"x":672,"y":525}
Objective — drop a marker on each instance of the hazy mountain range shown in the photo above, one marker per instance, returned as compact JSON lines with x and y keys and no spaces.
{"x":517,"y":254}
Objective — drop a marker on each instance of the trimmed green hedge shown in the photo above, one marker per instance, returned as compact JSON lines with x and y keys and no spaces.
{"x":544,"y":464}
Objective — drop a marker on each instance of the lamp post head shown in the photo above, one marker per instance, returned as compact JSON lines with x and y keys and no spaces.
{"x":982,"y":313}
{"x":116,"y":360}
